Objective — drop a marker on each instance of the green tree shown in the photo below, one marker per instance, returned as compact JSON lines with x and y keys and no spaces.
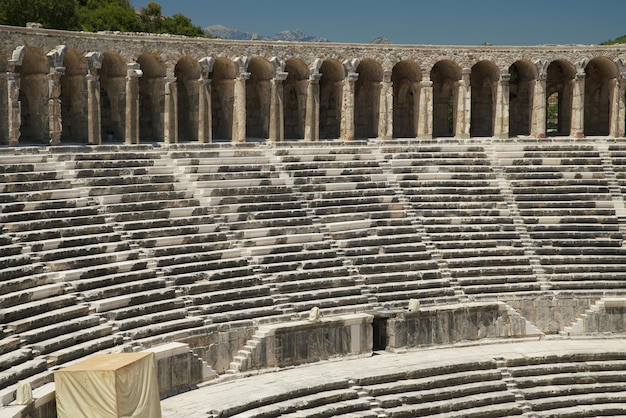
{"x":52,"y":14}
{"x":153,"y":21}
{"x":95,"y":15}
{"x":620,"y":40}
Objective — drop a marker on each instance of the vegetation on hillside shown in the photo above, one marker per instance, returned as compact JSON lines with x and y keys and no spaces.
{"x":95,"y":15}
{"x":620,"y":40}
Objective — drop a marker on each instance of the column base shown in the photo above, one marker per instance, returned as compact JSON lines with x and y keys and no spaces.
{"x":425,"y":136}
{"x":462,"y":136}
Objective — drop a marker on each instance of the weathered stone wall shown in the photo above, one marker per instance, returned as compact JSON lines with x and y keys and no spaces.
{"x":454,"y":324}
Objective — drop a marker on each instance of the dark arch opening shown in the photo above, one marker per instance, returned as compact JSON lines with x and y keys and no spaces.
{"x":483,"y":81}
{"x":74,"y":98}
{"x":33,"y":96}
{"x":560,"y":79}
{"x":521,"y":90}
{"x":294,"y":98}
{"x":151,"y":98}
{"x":258,"y":94}
{"x":405,"y":77}
{"x":187,"y":73}
{"x":445,"y":76}
{"x":600,"y":79}
{"x":367,"y":99}
{"x":222,"y":98}
{"x":331,"y":93}
{"x":112,"y":97}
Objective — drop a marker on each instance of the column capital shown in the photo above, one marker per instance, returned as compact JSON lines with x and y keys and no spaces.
{"x":94,"y":61}
{"x":505,"y":77}
{"x":315,"y":78}
{"x":352,"y":77}
{"x":56,"y":71}
{"x":133,"y":70}
{"x":92,"y":77}
{"x":243,"y":76}
{"x":281,"y":76}
{"x":426,"y":83}
{"x":169,"y":80}
{"x":580,"y":75}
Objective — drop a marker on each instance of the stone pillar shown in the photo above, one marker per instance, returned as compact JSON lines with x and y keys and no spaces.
{"x":464,"y":105}
{"x":94,"y":118}
{"x":621,"y":107}
{"x":539,"y":113}
{"x":14,"y":107}
{"x":132,"y":103}
{"x":55,"y":123}
{"x":239,"y":108}
{"x":425,"y":108}
{"x":170,"y":112}
{"x":614,"y":107}
{"x":578,"y":106}
{"x":277,"y":117}
{"x":385,"y":107}
{"x":205,"y":121}
{"x":501,"y":126}
{"x":347,"y":108}
{"x":312,"y":118}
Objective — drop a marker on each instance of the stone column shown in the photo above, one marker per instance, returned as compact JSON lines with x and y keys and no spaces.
{"x":539,"y":113}
{"x":14,"y":107}
{"x":614,"y":107}
{"x":239,"y":108}
{"x":312,"y":118}
{"x":277,"y":117}
{"x":170,"y":112}
{"x":55,"y":123}
{"x":385,"y":112}
{"x":205,"y":121}
{"x":94,"y":118}
{"x":578,"y":106}
{"x":347,"y":108}
{"x":425,"y":108}
{"x":501,"y":126}
{"x":464,"y":106}
{"x":132,"y":103}
{"x":621,"y":106}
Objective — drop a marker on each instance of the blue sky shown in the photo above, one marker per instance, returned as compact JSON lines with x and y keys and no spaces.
{"x":442,"y":22}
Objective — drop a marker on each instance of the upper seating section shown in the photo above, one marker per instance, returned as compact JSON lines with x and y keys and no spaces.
{"x":564,"y":199}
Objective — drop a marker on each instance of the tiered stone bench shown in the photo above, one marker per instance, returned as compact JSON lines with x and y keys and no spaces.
{"x":464,"y":214}
{"x":564,"y":199}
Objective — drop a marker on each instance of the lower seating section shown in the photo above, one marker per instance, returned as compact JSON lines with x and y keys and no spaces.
{"x":564,"y":378}
{"x":578,"y":385}
{"x":136,"y":245}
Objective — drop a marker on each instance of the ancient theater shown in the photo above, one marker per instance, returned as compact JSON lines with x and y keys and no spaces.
{"x":224,"y":228}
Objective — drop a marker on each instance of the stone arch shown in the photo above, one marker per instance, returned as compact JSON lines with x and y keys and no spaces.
{"x":294,"y":98}
{"x":223,"y":97}
{"x":331,"y":94}
{"x":445,"y":76}
{"x":483,"y":81}
{"x":521,"y":89}
{"x":151,"y":97}
{"x":406,"y":76}
{"x":258,"y":94}
{"x":559,"y":92}
{"x":367,"y":98}
{"x":74,"y":98}
{"x":33,"y":96}
{"x":4,"y":100}
{"x":600,"y":78}
{"x":112,"y":96}
{"x":187,"y":73}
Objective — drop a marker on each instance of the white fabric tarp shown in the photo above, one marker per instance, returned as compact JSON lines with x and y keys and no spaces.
{"x":109,"y":385}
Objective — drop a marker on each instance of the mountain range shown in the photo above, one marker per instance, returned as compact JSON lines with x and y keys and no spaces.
{"x":222,"y":32}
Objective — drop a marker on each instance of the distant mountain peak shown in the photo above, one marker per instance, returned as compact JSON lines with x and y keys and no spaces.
{"x":222,"y":32}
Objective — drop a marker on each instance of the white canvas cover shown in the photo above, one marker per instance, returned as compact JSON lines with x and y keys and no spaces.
{"x":109,"y":385}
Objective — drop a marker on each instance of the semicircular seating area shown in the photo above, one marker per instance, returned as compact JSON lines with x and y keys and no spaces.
{"x":129,"y":247}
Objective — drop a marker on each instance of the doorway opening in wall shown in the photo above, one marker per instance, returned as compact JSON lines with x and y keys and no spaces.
{"x":379,"y":333}
{"x":552,"y":115}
